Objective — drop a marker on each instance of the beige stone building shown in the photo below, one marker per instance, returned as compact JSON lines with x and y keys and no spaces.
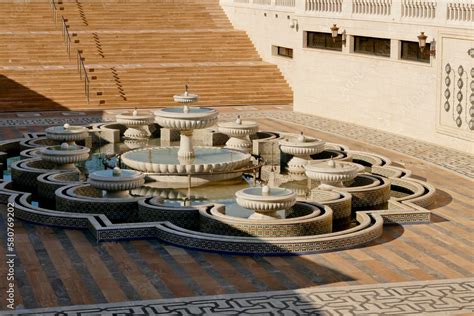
{"x":373,"y":72}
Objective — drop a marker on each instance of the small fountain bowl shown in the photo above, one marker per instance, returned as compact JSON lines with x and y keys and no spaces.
{"x":116,"y":179}
{"x":256,"y":199}
{"x":135,"y":118}
{"x":234,"y":129}
{"x":65,"y":154}
{"x":67,"y":133}
{"x":326,"y":173}
{"x":302,"y":146}
{"x":186,"y":97}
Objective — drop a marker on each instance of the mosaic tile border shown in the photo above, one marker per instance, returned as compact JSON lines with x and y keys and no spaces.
{"x":439,"y":297}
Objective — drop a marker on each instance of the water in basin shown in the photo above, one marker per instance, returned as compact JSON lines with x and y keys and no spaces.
{"x":109,"y":173}
{"x":273,"y":191}
{"x":170,"y":155}
{"x":190,"y":110}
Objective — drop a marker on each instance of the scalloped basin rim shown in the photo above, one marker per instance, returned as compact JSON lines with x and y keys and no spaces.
{"x":324,"y":168}
{"x":73,"y":129}
{"x":255,"y":194}
{"x":312,"y":142}
{"x":234,"y":125}
{"x":107,"y":175}
{"x":169,"y":156}
{"x":194,"y":113}
{"x":140,"y":115}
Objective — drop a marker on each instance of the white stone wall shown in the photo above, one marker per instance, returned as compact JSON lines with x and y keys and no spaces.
{"x":390,"y":94}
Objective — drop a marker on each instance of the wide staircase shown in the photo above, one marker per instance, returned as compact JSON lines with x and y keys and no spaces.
{"x":130,"y":53}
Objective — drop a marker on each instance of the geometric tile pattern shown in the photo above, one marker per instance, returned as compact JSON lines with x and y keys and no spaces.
{"x":430,"y":297}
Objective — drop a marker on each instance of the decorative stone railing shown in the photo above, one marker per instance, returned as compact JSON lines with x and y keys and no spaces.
{"x":460,"y":11}
{"x":262,"y":2}
{"x":418,"y":9}
{"x":372,"y":7}
{"x":434,"y":12}
{"x":333,"y":6}
{"x":285,"y":3}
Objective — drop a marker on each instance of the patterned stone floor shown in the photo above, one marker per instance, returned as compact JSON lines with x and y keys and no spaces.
{"x":406,"y":298}
{"x":56,"y":267}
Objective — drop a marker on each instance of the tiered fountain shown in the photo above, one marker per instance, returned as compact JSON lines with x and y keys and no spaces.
{"x":301,"y":147}
{"x":239,"y":133}
{"x":173,"y":164}
{"x":261,"y":220}
{"x":265,"y":201}
{"x":117,"y":182}
{"x":54,"y":157}
{"x":137,"y":123}
{"x":185,"y":120}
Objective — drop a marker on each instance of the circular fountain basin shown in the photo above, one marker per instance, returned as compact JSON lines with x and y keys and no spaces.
{"x":302,"y":146}
{"x":239,"y":132}
{"x":65,"y":155}
{"x":265,"y":201}
{"x":238,"y":128}
{"x":67,"y":133}
{"x":137,"y":123}
{"x":135,"y":118}
{"x":186,"y":118}
{"x":332,"y":172}
{"x":116,"y":182}
{"x":165,"y":161}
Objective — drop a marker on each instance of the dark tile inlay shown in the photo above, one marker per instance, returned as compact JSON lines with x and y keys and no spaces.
{"x":206,"y":266}
{"x":24,"y":287}
{"x":159,"y":284}
{"x":173,"y":264}
{"x":114,"y":269}
{"x":80,"y":266}
{"x":48,"y":267}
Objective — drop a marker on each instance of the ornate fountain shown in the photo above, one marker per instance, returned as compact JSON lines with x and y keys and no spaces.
{"x":186,"y":119}
{"x":265,"y":201}
{"x":67,"y":133}
{"x":117,"y":182}
{"x":65,"y":156}
{"x":346,"y":207}
{"x":301,"y":147}
{"x":239,"y":132}
{"x":177,"y":164}
{"x":137,"y":123}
